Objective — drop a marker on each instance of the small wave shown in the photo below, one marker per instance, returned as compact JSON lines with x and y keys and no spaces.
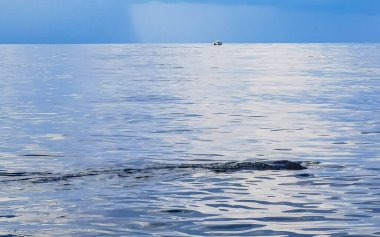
{"x":226,"y":167}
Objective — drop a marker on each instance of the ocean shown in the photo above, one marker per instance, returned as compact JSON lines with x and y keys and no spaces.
{"x":123,"y":140}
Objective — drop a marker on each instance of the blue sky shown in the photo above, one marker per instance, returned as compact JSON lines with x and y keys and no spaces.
{"x":188,"y":21}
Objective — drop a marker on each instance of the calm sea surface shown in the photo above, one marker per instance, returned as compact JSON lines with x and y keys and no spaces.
{"x":73,"y":117}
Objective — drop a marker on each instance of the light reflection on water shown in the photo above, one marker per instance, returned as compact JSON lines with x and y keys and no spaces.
{"x":69,"y":108}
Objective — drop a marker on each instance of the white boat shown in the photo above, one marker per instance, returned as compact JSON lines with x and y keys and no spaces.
{"x":218,"y":42}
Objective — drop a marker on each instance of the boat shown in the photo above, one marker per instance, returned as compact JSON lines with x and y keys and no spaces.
{"x":218,"y":42}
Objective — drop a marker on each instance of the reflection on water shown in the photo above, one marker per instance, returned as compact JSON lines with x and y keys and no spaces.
{"x":71,"y":108}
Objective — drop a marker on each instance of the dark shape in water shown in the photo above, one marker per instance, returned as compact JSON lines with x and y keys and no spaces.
{"x":227,"y":167}
{"x":238,"y":166}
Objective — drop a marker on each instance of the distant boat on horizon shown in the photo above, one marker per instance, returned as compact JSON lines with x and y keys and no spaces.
{"x":218,"y":42}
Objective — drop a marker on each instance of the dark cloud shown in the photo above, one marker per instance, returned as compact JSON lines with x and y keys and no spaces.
{"x":331,"y":6}
{"x":113,"y":21}
{"x":60,"y":21}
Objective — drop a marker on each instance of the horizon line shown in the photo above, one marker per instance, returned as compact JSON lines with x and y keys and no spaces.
{"x":163,"y":43}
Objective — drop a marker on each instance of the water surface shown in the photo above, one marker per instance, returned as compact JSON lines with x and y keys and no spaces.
{"x":71,"y":109}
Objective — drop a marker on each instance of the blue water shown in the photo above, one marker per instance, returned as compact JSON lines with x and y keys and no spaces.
{"x":83,"y":113}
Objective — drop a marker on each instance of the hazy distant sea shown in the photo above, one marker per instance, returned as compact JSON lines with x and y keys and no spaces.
{"x":77,"y":113}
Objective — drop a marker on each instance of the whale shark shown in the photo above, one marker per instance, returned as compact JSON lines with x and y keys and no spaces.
{"x":218,"y":167}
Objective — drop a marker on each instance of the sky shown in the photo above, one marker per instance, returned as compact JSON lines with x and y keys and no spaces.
{"x":189,"y":21}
